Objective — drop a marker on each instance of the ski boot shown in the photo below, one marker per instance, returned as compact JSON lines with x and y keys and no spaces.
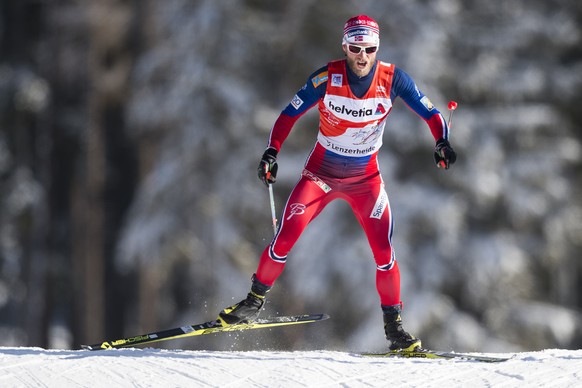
{"x":399,"y":339}
{"x":247,"y":309}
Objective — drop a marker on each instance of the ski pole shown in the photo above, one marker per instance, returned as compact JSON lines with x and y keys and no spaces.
{"x":451,"y":106}
{"x":272,"y":199}
{"x":273,"y":214}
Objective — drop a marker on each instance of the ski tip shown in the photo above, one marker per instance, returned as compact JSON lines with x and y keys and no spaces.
{"x":312,"y":317}
{"x":91,"y":347}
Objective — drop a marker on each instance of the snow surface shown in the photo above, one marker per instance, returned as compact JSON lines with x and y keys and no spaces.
{"x":36,"y":367}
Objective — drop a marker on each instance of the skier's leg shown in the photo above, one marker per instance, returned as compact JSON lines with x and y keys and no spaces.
{"x":372,"y":209}
{"x":375,"y":216}
{"x":305,"y":203}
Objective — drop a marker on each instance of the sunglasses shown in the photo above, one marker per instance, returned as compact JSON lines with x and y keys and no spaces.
{"x":358,"y":49}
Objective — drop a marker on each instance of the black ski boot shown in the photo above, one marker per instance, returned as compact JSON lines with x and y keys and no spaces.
{"x":399,"y":339}
{"x":247,"y":309}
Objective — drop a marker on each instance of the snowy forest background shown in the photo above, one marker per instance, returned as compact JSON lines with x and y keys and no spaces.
{"x":130,"y":133}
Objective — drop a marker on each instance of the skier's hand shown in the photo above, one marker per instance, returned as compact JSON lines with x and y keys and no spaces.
{"x":267,"y":170}
{"x":444,"y":155}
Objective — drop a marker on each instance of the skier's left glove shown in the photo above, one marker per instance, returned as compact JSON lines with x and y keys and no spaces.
{"x":267,"y":169}
{"x":444,"y":155}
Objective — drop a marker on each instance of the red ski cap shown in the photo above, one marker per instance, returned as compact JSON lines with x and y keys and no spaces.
{"x":361,"y":29}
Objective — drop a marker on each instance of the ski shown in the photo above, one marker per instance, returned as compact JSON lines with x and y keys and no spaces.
{"x":209,"y":327}
{"x":435,"y":354}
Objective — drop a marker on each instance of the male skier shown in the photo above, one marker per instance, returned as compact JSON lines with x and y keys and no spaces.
{"x":354,"y":97}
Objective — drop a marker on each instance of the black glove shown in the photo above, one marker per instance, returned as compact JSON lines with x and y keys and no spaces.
{"x":268,"y":166}
{"x":444,"y":155}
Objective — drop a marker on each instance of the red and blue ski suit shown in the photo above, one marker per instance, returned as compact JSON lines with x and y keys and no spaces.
{"x":343,"y":163}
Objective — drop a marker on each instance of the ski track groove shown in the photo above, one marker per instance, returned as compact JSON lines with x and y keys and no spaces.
{"x":102,"y":372}
{"x":264,"y":377}
{"x":351,"y":372}
{"x":561,"y":375}
{"x":252,"y":372}
{"x":18,"y":373}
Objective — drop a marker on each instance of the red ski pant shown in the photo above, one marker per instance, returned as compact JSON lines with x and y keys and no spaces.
{"x":368,"y":199}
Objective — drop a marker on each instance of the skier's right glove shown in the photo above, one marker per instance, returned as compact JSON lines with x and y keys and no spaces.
{"x":267,"y":170}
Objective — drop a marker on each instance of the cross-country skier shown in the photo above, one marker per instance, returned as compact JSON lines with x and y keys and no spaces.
{"x":354,"y":97}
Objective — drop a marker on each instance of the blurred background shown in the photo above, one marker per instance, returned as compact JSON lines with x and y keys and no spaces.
{"x":130,"y":133}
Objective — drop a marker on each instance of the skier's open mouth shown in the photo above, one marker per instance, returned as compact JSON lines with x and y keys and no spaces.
{"x":362,"y":64}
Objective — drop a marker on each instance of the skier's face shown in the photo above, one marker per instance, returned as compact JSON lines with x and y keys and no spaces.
{"x":360,"y":58}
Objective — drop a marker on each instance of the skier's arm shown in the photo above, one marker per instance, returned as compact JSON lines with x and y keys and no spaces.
{"x":304,"y":99}
{"x":404,"y":87}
